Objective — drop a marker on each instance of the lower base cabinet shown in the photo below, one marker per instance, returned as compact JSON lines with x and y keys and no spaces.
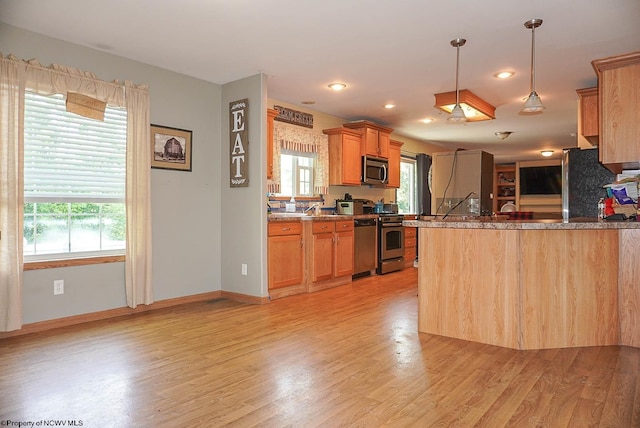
{"x":285,"y":255}
{"x":410,"y":245}
{"x":329,"y":253}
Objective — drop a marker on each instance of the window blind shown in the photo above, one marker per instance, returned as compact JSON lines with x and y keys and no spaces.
{"x":70,"y":158}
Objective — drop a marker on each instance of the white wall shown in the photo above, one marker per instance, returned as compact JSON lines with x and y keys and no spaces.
{"x":186,"y":206}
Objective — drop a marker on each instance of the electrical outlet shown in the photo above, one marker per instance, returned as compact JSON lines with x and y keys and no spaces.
{"x":244,"y":269}
{"x":58,"y":287}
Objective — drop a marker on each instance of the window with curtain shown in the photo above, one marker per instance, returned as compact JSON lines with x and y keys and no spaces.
{"x":74,"y":181}
{"x":297,"y":174}
{"x":407,"y":193}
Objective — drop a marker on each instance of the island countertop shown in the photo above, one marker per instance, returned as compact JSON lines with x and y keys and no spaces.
{"x":529,"y":284}
{"x":543,"y":224}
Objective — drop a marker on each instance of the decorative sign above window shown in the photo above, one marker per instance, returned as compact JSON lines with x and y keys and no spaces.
{"x":293,"y":116}
{"x":239,"y":142}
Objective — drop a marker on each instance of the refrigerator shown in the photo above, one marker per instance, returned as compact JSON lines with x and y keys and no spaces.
{"x":583,"y":178}
{"x":462,"y":183}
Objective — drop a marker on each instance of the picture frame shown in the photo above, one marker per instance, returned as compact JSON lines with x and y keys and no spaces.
{"x":170,"y":148}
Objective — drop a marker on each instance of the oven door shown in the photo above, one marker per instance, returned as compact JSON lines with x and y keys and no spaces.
{"x":391,"y":240}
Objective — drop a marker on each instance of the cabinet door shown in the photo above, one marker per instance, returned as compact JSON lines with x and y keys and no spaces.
{"x":394,"y":164}
{"x":322,"y":256}
{"x":370,"y":142}
{"x":619,"y":101}
{"x":351,"y":160}
{"x":344,"y":253}
{"x":285,"y":260}
{"x":384,"y":144}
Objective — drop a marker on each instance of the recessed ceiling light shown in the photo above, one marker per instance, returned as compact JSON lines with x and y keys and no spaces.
{"x":546,"y":153}
{"x":504,"y":74}
{"x":337,"y":86}
{"x":427,"y":120}
{"x":389,"y":106}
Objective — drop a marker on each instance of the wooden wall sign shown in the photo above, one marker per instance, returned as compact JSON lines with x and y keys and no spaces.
{"x":293,"y":116}
{"x":239,"y":142}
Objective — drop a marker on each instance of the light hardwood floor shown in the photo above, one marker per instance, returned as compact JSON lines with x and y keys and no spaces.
{"x":348,"y":356}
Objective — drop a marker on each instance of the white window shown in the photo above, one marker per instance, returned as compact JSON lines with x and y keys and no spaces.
{"x":74,"y":181}
{"x":296,"y":173}
{"x":407,"y":193}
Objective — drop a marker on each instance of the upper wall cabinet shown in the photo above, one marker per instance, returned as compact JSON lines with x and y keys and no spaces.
{"x":375,"y":138}
{"x":394,"y":163}
{"x":619,"y":108}
{"x":588,"y":118}
{"x":344,"y":156}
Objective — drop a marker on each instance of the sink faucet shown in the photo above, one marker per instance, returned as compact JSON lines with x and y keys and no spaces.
{"x":312,"y":206}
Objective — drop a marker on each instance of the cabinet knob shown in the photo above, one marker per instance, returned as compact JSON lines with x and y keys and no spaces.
{"x":284,"y":229}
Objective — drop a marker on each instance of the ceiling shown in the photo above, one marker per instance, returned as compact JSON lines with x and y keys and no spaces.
{"x":385,"y":51}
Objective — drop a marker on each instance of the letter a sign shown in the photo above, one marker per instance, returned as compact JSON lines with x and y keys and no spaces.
{"x":239,"y":142}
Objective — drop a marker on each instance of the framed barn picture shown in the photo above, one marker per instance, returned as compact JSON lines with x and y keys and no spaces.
{"x":170,"y":148}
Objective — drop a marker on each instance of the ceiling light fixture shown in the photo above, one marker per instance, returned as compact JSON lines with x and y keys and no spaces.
{"x":504,"y":74}
{"x":533,"y":104}
{"x":389,"y":106}
{"x":503,"y":134}
{"x":474,"y":107}
{"x":463,"y":105}
{"x":337,"y":86}
{"x":456,"y":113}
{"x":546,"y":153}
{"x":426,"y":120}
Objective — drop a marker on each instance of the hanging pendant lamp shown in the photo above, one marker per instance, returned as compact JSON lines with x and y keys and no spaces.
{"x":533,"y":103}
{"x":457,"y":115}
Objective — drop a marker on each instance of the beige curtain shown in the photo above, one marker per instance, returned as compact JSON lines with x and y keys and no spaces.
{"x":138,"y":260}
{"x":11,"y":194}
{"x":60,"y":79}
{"x":302,"y":140}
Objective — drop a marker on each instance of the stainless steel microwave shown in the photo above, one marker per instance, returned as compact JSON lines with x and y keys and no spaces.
{"x":374,"y":171}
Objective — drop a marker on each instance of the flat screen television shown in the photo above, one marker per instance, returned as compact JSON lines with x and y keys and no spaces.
{"x":541,"y":180}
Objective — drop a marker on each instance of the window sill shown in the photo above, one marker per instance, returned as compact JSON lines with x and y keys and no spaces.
{"x":50,"y":264}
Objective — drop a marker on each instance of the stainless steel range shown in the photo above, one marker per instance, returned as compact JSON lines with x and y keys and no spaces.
{"x":390,"y":243}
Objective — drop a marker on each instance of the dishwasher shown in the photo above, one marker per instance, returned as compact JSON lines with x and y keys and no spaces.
{"x":364,"y":248}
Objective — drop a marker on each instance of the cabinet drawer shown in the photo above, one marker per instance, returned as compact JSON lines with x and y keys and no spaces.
{"x":410,"y":243}
{"x":322,"y":227}
{"x":279,"y":228}
{"x":410,"y":254}
{"x":410,"y":232}
{"x":341,"y":226}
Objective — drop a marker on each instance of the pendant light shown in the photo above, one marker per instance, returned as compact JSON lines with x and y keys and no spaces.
{"x":533,"y":104}
{"x":457,"y":115}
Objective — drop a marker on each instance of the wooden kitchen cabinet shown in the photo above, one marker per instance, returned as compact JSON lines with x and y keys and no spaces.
{"x":410,"y":245}
{"x":375,"y":138}
{"x":394,"y":163}
{"x":619,"y":110}
{"x":330,"y":254}
{"x":286,"y":256}
{"x":271,"y":114}
{"x":345,"y":162}
{"x":588,"y":118}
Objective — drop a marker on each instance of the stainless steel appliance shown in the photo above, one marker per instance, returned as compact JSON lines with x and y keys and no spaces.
{"x":457,"y":174}
{"x":374,"y":171}
{"x":349,"y":207}
{"x":390,"y":243}
{"x":364,"y":249}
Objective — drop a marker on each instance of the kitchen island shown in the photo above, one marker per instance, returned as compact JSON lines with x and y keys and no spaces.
{"x":530,"y":284}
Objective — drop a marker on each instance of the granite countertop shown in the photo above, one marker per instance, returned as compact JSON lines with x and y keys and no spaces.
{"x":488,"y":223}
{"x":307,"y":217}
